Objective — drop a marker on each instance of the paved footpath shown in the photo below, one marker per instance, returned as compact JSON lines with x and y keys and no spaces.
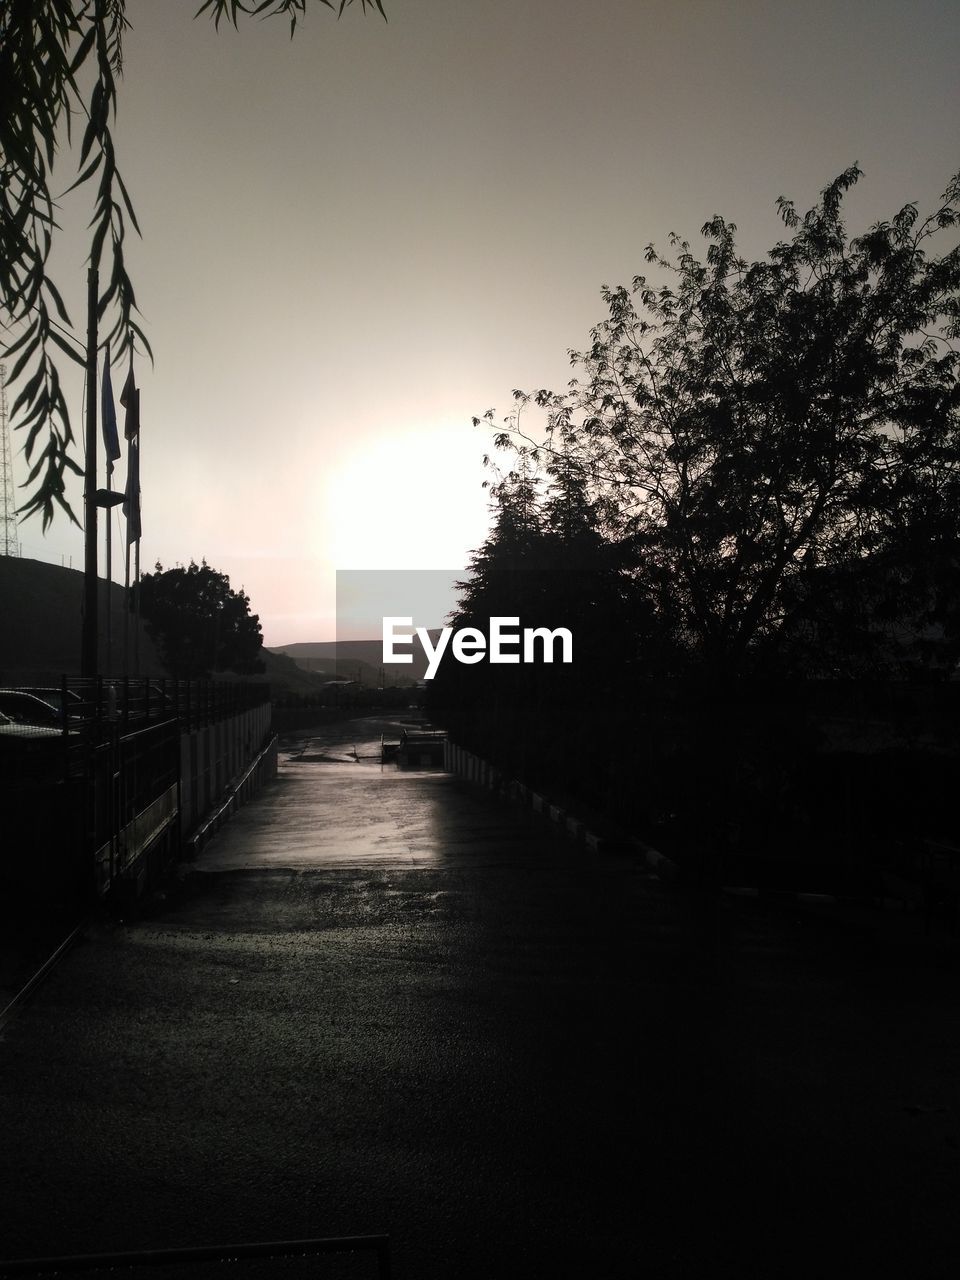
{"x":387,"y":1002}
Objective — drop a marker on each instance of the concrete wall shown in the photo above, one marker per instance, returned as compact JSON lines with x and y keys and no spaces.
{"x":212,"y":757}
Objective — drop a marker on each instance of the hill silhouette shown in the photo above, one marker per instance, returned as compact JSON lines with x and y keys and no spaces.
{"x":357,"y":660}
{"x":42,"y":610}
{"x":43,"y":620}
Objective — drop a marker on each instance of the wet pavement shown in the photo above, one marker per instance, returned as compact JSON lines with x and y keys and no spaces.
{"x":388,"y":1002}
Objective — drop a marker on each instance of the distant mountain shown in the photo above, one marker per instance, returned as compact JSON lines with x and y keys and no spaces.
{"x":283,"y":675}
{"x":357,"y":660}
{"x":42,"y":609}
{"x":41,"y":606}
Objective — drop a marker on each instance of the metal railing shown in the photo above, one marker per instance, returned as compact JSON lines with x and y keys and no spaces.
{"x":75,"y":706}
{"x":89,"y":797}
{"x":194,"y":703}
{"x":53,"y":730}
{"x":378,"y":1244}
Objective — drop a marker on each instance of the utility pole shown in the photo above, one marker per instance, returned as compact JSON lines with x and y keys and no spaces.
{"x":88,"y":649}
{"x":9,"y":545}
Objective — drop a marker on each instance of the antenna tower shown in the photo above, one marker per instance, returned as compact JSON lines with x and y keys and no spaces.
{"x":9,"y":546}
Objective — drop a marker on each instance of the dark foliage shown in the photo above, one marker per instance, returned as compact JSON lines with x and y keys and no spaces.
{"x":758,"y":435}
{"x":201,"y":624}
{"x":746,"y":506}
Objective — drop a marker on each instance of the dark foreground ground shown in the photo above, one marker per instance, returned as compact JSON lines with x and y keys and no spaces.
{"x":386,"y":1002}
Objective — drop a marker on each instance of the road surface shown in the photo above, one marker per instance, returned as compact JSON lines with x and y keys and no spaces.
{"x":388,"y":1002}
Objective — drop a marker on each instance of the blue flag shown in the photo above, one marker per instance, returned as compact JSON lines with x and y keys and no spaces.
{"x":131,"y":500}
{"x":108,"y":418}
{"x":130,"y":399}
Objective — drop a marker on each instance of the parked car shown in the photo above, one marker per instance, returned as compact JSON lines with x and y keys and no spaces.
{"x":133,"y":702}
{"x":26,"y":708}
{"x":18,"y":730}
{"x":29,"y":749}
{"x":54,"y":695}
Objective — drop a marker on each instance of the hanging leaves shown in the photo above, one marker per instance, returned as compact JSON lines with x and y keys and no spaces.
{"x":293,"y":9}
{"x":43,"y":49}
{"x":47,"y":48}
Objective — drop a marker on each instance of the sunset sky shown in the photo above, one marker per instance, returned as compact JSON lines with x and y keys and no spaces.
{"x":355,"y":241}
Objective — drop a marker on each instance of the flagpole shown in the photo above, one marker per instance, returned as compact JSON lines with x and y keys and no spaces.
{"x":136,"y":547}
{"x":109,"y":656}
{"x":136,"y":596}
{"x":111,"y":446}
{"x":126,"y":615}
{"x":88,"y":641}
{"x":130,"y":399}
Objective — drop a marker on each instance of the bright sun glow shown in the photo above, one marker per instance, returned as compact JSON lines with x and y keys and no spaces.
{"x":411,"y":500}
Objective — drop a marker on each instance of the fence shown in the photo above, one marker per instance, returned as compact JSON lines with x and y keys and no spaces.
{"x":379,"y":1245}
{"x":92,"y":788}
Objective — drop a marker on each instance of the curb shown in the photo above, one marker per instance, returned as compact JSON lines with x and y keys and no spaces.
{"x":48,"y":966}
{"x":473,"y":768}
{"x":662,"y":866}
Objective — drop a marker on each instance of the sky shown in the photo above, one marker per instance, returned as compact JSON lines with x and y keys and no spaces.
{"x":357,"y":240}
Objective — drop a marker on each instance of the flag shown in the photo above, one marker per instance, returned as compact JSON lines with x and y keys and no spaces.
{"x":108,"y":417}
{"x":131,"y":499}
{"x":130,"y":399}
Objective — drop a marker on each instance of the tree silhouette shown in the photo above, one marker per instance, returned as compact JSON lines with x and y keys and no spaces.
{"x":201,"y":624}
{"x":546,"y":563}
{"x":757,"y":431}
